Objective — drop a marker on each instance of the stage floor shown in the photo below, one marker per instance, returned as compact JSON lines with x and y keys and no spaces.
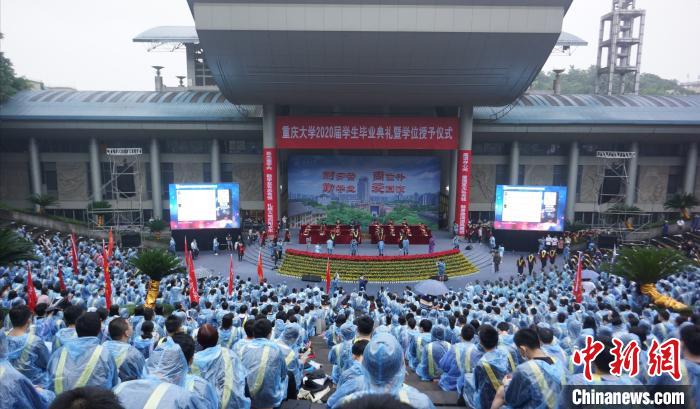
{"x":479,"y":256}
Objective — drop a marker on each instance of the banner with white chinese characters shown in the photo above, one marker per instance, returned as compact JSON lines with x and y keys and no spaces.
{"x":270,"y":188}
{"x":310,"y":132}
{"x":464,"y":166}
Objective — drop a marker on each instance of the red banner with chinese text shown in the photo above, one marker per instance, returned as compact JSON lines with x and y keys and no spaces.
{"x":311,"y":132}
{"x":270,"y":188}
{"x":464,"y":166}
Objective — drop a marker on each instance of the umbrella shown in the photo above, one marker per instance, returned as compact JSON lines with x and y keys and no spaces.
{"x":589,"y":275}
{"x":431,"y":287}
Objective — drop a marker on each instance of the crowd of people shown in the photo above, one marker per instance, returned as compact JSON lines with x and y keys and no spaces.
{"x":498,"y":343}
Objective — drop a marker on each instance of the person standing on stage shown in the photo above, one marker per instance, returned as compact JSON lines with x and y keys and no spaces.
{"x":530,"y":262}
{"x":329,"y":246}
{"x":496,"y":262}
{"x":362,"y":281}
{"x":241,"y":251}
{"x":441,"y":268}
{"x":431,"y":245}
{"x":492,"y":242}
{"x":405,"y":244}
{"x":215,"y":246}
{"x":229,"y":243}
{"x":552,"y":257}
{"x":455,"y":242}
{"x":521,"y":265}
{"x":353,"y":247}
{"x":380,"y":245}
{"x":308,"y":243}
{"x":543,"y":259}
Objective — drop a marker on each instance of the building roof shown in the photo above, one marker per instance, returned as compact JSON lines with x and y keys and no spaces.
{"x":211,"y":106}
{"x":595,"y":110}
{"x":170,"y":34}
{"x":568,"y":39}
{"x":169,"y":106}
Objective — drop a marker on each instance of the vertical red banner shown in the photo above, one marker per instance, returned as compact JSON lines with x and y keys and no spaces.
{"x":464,"y":167}
{"x":270,"y":188}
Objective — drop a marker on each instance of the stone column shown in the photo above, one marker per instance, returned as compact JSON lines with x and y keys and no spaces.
{"x":572,"y":181}
{"x":691,"y":167}
{"x":514,"y":163}
{"x":95,"y":170}
{"x":156,"y":189}
{"x":215,"y":161}
{"x":630,"y":194}
{"x":34,"y":167}
{"x":466,"y":135}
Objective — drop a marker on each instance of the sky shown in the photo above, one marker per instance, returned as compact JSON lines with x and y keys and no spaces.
{"x":87,"y":44}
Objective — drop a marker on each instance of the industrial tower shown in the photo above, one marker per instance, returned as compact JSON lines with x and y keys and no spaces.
{"x":620,"y":40}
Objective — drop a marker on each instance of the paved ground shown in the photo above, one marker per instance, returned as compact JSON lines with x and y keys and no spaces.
{"x":479,"y":256}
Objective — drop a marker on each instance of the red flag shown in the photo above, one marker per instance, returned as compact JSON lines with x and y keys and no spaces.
{"x":230,"y":277}
{"x":328,"y":276}
{"x":110,"y":244}
{"x":74,"y":253}
{"x":260,"y":268}
{"x":578,"y":280}
{"x":108,"y":280}
{"x":60,"y":278}
{"x":31,"y":292}
{"x":194,"y":294}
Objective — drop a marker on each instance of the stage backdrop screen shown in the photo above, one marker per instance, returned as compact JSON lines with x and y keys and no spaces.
{"x":538,"y":208}
{"x":204,"y":206}
{"x":363,"y":188}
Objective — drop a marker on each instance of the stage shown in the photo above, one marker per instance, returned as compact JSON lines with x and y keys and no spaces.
{"x":479,"y":256}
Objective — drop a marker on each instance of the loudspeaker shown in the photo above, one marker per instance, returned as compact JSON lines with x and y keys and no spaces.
{"x":311,"y":277}
{"x":131,"y":239}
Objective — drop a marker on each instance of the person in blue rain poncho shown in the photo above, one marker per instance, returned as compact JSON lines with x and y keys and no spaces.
{"x":689,"y":335}
{"x":267,"y":371}
{"x":83,"y":361}
{"x":494,"y":364}
{"x":418,"y":342}
{"x":289,"y":346}
{"x":129,"y":360}
{"x":352,"y":379}
{"x":228,"y":334}
{"x":164,"y":386}
{"x":458,"y":363}
{"x":70,"y":315}
{"x":222,"y":367}
{"x":340,"y":354}
{"x":535,"y":383}
{"x":27,"y":351}
{"x":203,"y":390}
{"x":383,"y":365}
{"x":16,"y":390}
{"x":429,"y":367}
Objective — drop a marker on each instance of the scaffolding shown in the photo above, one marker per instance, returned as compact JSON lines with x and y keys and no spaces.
{"x":124,"y":191}
{"x":612,"y":215}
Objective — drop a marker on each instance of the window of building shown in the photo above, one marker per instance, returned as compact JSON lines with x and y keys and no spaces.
{"x":661,"y":149}
{"x":675,"y":181}
{"x":49,"y":178}
{"x":126,"y":183}
{"x":167,"y":176}
{"x":202,"y":74}
{"x":590,"y":149}
{"x":502,"y":175}
{"x":579,"y":180}
{"x":8,"y":145}
{"x":186,"y":146}
{"x":489,"y":148}
{"x":206,"y":172}
{"x":540,"y":149}
{"x":226,"y":172}
{"x":559,"y":175}
{"x":246,"y":146}
{"x":61,"y":145}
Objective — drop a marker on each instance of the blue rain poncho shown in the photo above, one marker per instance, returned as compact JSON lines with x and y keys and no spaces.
{"x":340,"y":354}
{"x":288,"y":344}
{"x":82,"y":362}
{"x":16,"y":389}
{"x":415,"y":351}
{"x":164,"y":386}
{"x":488,"y":373}
{"x":536,"y":384}
{"x":29,"y":355}
{"x":267,"y":372}
{"x":203,"y":391}
{"x":384,"y":370}
{"x":456,"y":363}
{"x":63,"y":335}
{"x":351,"y":381}
{"x":129,"y":360}
{"x":224,"y":370}
{"x":429,"y":368}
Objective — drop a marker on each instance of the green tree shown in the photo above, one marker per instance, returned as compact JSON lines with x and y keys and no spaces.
{"x":156,"y":264}
{"x":682,"y":202}
{"x":14,"y":248}
{"x":42,"y":201}
{"x":10,"y":83}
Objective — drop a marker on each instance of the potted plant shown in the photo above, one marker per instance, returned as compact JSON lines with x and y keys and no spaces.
{"x":14,"y":248}
{"x":42,"y":201}
{"x":647,"y":265}
{"x":157,"y":226}
{"x":682,"y":202}
{"x":156,"y":264}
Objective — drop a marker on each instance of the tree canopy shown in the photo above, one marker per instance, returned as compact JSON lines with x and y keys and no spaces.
{"x":10,"y":83}
{"x":582,"y":81}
